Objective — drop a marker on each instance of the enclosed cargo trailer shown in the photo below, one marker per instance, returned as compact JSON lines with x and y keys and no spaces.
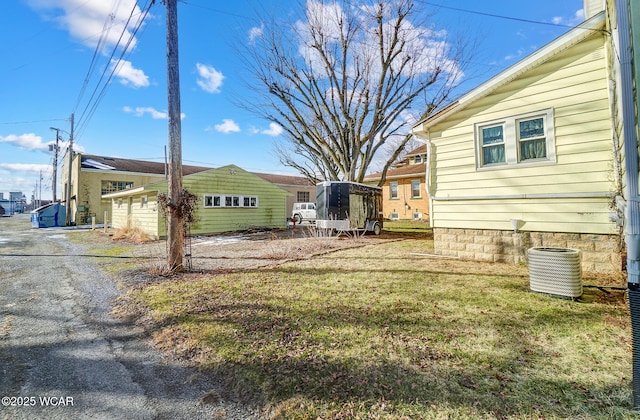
{"x":343,"y":206}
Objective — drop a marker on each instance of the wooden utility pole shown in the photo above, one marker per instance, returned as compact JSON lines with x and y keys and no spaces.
{"x":67,"y":201}
{"x":55,"y":162}
{"x":175,"y":227}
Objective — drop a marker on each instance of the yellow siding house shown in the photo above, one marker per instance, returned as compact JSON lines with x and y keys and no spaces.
{"x":94,"y":176}
{"x":229,"y":199}
{"x":531,"y":157}
{"x":403,"y":192}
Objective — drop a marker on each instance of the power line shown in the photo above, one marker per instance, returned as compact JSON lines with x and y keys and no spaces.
{"x":92,"y":105}
{"x":493,"y":15}
{"x":32,"y":122}
{"x":218,"y":11}
{"x":96,"y":53}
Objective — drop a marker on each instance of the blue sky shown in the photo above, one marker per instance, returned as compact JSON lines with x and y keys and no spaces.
{"x":49,"y":49}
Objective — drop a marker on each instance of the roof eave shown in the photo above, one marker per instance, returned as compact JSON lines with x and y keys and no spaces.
{"x":124,"y":193}
{"x":567,"y":40}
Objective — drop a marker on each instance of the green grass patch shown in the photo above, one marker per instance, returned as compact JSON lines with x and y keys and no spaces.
{"x":378,"y":332}
{"x":411,"y":227}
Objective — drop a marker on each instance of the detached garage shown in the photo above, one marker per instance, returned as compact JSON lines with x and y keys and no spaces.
{"x":229,"y":199}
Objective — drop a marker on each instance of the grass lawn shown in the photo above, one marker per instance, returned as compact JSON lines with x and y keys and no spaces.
{"x":412,"y":227}
{"x":380,"y":332}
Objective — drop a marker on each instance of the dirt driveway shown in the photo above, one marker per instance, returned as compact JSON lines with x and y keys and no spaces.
{"x":62,"y":354}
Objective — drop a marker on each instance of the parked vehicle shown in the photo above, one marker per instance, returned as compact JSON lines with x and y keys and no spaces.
{"x":303,"y":212}
{"x":344,"y":206}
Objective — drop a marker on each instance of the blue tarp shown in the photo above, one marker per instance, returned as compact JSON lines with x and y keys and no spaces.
{"x":50,"y":215}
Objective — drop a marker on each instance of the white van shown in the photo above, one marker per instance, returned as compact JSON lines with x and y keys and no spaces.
{"x":303,"y":212}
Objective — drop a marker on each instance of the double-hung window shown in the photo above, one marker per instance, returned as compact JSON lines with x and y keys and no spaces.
{"x":493,"y":147}
{"x":532,"y":139}
{"x":415,"y":189}
{"x":393,"y":190}
{"x":526,"y":139}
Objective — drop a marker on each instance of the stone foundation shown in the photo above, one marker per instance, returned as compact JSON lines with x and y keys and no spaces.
{"x":600,"y":253}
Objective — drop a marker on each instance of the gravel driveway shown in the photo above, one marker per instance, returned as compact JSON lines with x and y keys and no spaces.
{"x":63,"y":356}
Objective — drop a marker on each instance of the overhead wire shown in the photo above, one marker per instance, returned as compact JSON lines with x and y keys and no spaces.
{"x":100,"y":90}
{"x":493,"y":15}
{"x":99,"y":45}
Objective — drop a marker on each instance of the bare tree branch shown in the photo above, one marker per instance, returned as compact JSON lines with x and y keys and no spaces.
{"x":341,"y":80}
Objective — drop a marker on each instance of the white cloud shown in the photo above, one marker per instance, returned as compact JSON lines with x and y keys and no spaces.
{"x":140,"y":111}
{"x":28,"y":141}
{"x":274,"y":130}
{"x":129,"y":76}
{"x":227,"y":126}
{"x":210,"y":79}
{"x":425,"y":49}
{"x":577,"y":18}
{"x":255,"y":32}
{"x":86,"y":21}
{"x":26,"y":167}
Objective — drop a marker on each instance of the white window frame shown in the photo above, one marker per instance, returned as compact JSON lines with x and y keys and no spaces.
{"x":217,"y":201}
{"x":397,"y":195}
{"x":512,"y":142}
{"x":419,"y":188}
{"x":144,"y":202}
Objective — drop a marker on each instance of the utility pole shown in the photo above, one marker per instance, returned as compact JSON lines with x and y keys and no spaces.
{"x":69,"y":170}
{"x":55,"y":161}
{"x":40,"y":192}
{"x":175,"y":227}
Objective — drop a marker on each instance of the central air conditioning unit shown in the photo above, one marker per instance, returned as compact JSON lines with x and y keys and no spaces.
{"x":555,"y":271}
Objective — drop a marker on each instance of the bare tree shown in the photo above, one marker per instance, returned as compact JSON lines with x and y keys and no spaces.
{"x":341,"y":82}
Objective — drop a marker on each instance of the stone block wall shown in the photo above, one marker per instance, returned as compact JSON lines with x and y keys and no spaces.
{"x":600,"y":253}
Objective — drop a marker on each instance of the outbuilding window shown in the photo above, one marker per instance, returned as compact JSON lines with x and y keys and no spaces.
{"x":219,"y":201}
{"x":526,"y":139}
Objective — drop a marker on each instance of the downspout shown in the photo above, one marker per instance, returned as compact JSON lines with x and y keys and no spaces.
{"x":632,"y":233}
{"x":427,"y":182}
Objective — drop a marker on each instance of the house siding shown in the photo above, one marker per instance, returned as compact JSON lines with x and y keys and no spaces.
{"x":271,"y":210}
{"x":145,"y":218}
{"x":229,"y":180}
{"x":119,"y":212}
{"x":574,"y":85}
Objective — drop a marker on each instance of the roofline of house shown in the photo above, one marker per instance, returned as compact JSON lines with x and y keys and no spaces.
{"x":125,"y":193}
{"x":410,"y":175}
{"x":118,"y":172}
{"x":261,"y":175}
{"x":563,"y":42}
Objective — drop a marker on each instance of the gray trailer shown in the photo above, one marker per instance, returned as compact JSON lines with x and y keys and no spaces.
{"x":344,"y":206}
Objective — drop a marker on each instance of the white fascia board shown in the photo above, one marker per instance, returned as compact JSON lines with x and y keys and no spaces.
{"x":563,"y":42}
{"x":124,"y":193}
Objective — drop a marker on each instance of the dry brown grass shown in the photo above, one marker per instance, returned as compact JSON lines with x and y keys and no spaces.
{"x":132,"y":234}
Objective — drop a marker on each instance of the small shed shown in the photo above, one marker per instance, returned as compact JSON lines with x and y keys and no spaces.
{"x":229,"y":199}
{"x":49,"y":215}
